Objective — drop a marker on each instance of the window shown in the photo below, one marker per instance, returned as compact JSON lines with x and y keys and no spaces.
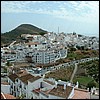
{"x":29,"y":45}
{"x":16,"y":80}
{"x":35,"y":45}
{"x":24,"y":94}
{"x":12,"y":92}
{"x":15,"y":94}
{"x":20,"y":86}
{"x":17,"y":89}
{"x":24,"y":87}
{"x":14,"y":88}
{"x":41,"y":85}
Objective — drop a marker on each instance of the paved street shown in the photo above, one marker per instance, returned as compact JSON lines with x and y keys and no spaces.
{"x":64,"y":65}
{"x":75,"y":69}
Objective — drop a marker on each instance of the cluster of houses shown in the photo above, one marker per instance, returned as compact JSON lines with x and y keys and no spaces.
{"x":73,"y":39}
{"x":36,"y":48}
{"x":27,"y":86}
{"x":42,"y":50}
{"x":47,"y":48}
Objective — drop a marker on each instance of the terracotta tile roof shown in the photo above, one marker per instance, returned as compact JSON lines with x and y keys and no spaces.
{"x":5,"y":83}
{"x":21,"y":73}
{"x":21,"y":64}
{"x":49,"y":82}
{"x":36,"y":90}
{"x":31,"y":43}
{"x":39,"y":90}
{"x":25,"y":78}
{"x":81,"y":94}
{"x":46,"y":92}
{"x":7,"y":96}
{"x":59,"y":91}
{"x":2,"y":97}
{"x":13,"y":77}
{"x":34,"y":78}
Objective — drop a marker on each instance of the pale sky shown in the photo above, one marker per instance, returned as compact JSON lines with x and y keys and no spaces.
{"x":81,"y":17}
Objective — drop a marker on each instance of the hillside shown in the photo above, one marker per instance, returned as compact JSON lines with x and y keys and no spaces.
{"x":8,"y":37}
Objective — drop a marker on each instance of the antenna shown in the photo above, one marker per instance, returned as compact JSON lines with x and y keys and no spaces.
{"x":58,"y":29}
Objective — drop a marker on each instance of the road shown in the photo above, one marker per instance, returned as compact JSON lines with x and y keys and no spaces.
{"x":75,"y":69}
{"x":64,"y":65}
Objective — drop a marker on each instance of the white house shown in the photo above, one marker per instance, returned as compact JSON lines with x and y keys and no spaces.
{"x":22,"y":83}
{"x":5,"y":87}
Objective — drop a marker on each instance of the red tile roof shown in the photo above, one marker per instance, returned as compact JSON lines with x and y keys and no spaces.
{"x":13,"y":77}
{"x":47,"y":91}
{"x":7,"y":96}
{"x":5,"y":83}
{"x":36,"y":90}
{"x":22,"y":73}
{"x":81,"y":94}
{"x":49,"y":82}
{"x":34,"y":78}
{"x":25,"y":78}
{"x":2,"y":97}
{"x":59,"y":91}
{"x":32,"y":43}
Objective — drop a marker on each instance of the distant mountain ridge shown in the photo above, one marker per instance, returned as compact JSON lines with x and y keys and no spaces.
{"x":14,"y":34}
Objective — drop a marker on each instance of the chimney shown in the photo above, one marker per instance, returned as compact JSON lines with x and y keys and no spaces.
{"x":77,"y":84}
{"x":56,"y":84}
{"x":13,"y":72}
{"x":69,"y":84}
{"x":64,"y":86}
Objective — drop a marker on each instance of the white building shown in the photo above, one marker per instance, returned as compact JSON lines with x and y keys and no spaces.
{"x":23,"y":83}
{"x":5,"y":87}
{"x":61,"y":90}
{"x":36,"y":87}
{"x":95,"y":45}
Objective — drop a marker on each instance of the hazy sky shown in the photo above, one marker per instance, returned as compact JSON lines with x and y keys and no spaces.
{"x":81,"y":17}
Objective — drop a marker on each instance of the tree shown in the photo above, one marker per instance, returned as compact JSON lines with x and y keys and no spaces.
{"x":78,"y":47}
{"x":21,"y":96}
{"x":8,"y":63}
{"x":91,"y":84}
{"x":42,"y":33}
{"x":72,"y":49}
{"x":74,"y":33}
{"x":82,"y":47}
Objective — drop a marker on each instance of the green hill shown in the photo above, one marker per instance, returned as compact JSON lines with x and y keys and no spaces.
{"x":8,"y":37}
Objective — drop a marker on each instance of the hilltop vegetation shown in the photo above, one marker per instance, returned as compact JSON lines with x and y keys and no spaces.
{"x":8,"y":37}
